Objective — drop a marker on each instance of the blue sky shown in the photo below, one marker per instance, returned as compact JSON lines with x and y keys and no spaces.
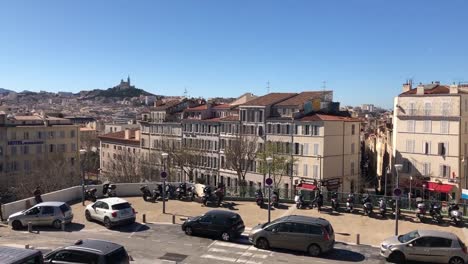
{"x":364,"y":50}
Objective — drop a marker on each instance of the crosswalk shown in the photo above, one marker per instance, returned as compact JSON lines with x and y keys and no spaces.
{"x":237,"y":252}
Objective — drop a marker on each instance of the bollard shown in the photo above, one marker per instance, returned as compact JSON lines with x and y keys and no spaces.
{"x":144,"y":218}
{"x":63,"y":226}
{"x":30,"y":227}
{"x":358,"y":239}
{"x":173,"y":219}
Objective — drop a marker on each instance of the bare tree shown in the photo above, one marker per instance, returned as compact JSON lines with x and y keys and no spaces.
{"x":280,"y":165}
{"x":126,"y":166}
{"x":240,"y":153}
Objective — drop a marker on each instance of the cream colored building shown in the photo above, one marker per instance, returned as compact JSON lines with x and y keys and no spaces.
{"x":32,"y":146}
{"x":431,"y":138}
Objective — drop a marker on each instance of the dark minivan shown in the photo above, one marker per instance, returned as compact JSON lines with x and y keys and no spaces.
{"x":11,"y":255}
{"x":215,"y":223}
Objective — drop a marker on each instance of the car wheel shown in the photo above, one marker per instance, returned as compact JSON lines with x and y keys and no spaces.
{"x":188,"y":231}
{"x":107,"y":222}
{"x":57,"y":224}
{"x":16,"y":225}
{"x":314,"y":250}
{"x":456,"y":260}
{"x":262,"y":243}
{"x":88,"y":215}
{"x":225,"y":236}
{"x":397,"y":257}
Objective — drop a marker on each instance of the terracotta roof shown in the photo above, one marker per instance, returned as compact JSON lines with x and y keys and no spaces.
{"x":230,"y":118}
{"x":432,"y":89}
{"x":166,"y":105}
{"x":269,"y":99}
{"x":322,"y":117}
{"x":197,"y":108}
{"x":222,"y":106}
{"x":301,"y":98}
{"x":120,"y":136}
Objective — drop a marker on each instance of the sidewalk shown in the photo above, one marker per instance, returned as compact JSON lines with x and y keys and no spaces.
{"x":371,"y":230}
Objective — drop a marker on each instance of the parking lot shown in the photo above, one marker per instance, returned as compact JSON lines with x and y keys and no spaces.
{"x":160,"y":241}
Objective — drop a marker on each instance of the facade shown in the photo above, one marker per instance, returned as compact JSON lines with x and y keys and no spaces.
{"x":431,"y":139}
{"x":33,"y":145}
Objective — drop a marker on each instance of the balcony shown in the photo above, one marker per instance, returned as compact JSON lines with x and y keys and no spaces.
{"x":428,"y":114}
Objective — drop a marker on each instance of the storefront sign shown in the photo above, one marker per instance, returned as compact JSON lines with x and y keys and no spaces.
{"x":465,"y":194}
{"x":19,"y":142}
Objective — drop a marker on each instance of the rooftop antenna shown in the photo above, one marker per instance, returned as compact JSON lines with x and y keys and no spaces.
{"x":324,"y":86}
{"x":185,"y":92}
{"x":268,"y":86}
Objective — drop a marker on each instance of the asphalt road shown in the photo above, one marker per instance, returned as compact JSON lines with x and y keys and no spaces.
{"x":166,"y":243}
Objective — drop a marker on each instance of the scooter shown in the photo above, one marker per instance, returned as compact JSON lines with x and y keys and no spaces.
{"x":334,"y":202}
{"x":420,"y":210}
{"x":259,"y":198}
{"x":350,"y":203}
{"x":181,"y":191}
{"x":367,"y":205}
{"x":275,"y":199}
{"x":147,"y":195}
{"x":109,"y":190}
{"x":209,"y":197}
{"x":455,"y":215}
{"x":90,"y":194}
{"x":382,"y":207}
{"x":300,"y":203}
{"x":435,"y":213}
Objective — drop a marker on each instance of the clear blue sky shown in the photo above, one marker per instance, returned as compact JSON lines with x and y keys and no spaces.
{"x":364,"y":50}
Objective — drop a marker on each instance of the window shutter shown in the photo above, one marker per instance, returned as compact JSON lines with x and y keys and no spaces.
{"x":439,"y":148}
{"x":441,"y":172}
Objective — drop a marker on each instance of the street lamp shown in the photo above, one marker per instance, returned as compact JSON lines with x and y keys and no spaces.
{"x":387,"y":171}
{"x":319,"y":158}
{"x":82,"y":156}
{"x":409,"y":194}
{"x":164,"y":156}
{"x":269,"y":160}
{"x":398,"y":167}
{"x":424,"y":189}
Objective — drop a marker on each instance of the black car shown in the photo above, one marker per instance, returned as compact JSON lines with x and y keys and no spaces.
{"x":215,"y":223}
{"x":90,"y":251}
{"x":10,"y":255}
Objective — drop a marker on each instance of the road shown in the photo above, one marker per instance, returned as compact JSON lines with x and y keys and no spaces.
{"x":166,"y":243}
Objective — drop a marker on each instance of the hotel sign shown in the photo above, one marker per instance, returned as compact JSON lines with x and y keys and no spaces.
{"x":20,"y":142}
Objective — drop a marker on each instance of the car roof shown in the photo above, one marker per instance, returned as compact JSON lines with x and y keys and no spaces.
{"x":305,"y":219}
{"x":436,"y":233}
{"x":113,"y":200}
{"x":50,"y":204}
{"x":12,"y":255}
{"x":101,"y":247}
{"x":222,"y":213}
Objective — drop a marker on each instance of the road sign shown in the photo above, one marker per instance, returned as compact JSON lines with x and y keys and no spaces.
{"x":397,"y":192}
{"x":163,"y":174}
{"x":269,"y":181}
{"x":465,"y":194}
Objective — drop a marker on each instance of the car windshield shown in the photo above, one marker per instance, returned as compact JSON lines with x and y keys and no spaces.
{"x":408,"y":237}
{"x":272,"y":222}
{"x":121,"y":206}
{"x":118,"y":256}
{"x":234,"y":219}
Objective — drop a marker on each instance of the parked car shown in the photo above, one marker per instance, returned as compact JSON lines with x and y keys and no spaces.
{"x":11,"y":255}
{"x":426,"y":246}
{"x":111,"y":212}
{"x":294,"y":232}
{"x":42,"y":214}
{"x":215,"y":223}
{"x":90,"y":251}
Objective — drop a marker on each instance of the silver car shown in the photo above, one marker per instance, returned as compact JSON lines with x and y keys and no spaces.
{"x":42,"y":214}
{"x":426,"y":246}
{"x":295,"y":232}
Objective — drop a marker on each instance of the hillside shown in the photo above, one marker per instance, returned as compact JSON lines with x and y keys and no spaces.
{"x":115,"y":93}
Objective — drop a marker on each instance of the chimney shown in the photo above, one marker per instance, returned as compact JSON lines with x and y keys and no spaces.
{"x":407,"y":87}
{"x":420,"y":89}
{"x":137,"y":134}
{"x":127,"y":133}
{"x":453,"y":89}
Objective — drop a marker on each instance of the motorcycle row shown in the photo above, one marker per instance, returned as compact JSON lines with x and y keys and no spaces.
{"x":108,"y":190}
{"x":454,"y":214}
{"x":261,"y":201}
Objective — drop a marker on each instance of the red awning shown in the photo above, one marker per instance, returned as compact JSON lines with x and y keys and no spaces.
{"x":439,"y":187}
{"x":306,"y":186}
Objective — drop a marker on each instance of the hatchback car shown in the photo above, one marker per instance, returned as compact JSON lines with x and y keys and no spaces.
{"x":42,"y":214}
{"x":426,"y":246}
{"x":294,"y":232}
{"x":90,"y":251}
{"x":11,"y":255}
{"x":215,"y":223}
{"x":111,"y":212}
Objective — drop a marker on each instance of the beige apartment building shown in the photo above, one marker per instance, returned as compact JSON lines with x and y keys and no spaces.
{"x":431,"y":139}
{"x":37,"y":148}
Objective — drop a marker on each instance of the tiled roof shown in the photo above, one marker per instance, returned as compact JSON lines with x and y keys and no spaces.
{"x":322,"y":117}
{"x":222,"y":106}
{"x":166,"y":105}
{"x":120,"y":136}
{"x":230,"y":118}
{"x":432,"y":89}
{"x":269,"y":99}
{"x":301,"y":98}
{"x":197,"y":108}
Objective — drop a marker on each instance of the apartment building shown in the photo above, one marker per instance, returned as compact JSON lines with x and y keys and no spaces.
{"x":431,"y":139}
{"x":32,"y":146}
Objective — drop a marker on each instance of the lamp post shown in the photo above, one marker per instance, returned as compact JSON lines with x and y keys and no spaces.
{"x":409,"y":194}
{"x":424,"y":189}
{"x":387,"y":171}
{"x":82,"y":156}
{"x":164,"y":157}
{"x":398,"y":167}
{"x":269,"y":160}
{"x":319,"y":158}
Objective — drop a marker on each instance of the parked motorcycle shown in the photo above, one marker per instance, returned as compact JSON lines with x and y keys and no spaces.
{"x":90,"y":194}
{"x":334,"y":202}
{"x":259,"y":198}
{"x":210,"y":197}
{"x":420,"y":210}
{"x":382,"y":207}
{"x":109,"y":190}
{"x":275,"y":199}
{"x":435,"y":213}
{"x":300,"y":203}
{"x":456,"y":216}
{"x":148,"y":195}
{"x":367,"y":205}
{"x":350,"y":203}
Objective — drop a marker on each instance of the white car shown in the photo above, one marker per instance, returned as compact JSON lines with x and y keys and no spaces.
{"x":111,"y":212}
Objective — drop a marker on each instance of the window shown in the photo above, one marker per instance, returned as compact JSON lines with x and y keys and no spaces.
{"x":315,"y":169}
{"x":411,"y":108}
{"x":62,"y":147}
{"x":62,"y":134}
{"x":353,"y":129}
{"x":442,"y":148}
{"x":27,"y":165}
{"x":352,"y":148}
{"x":407,"y":166}
{"x":306,"y":130}
{"x":51,"y":134}
{"x":306,"y":149}
{"x":410,"y":143}
{"x":427,"y":147}
{"x":46,"y":210}
{"x":427,"y":109}
{"x":26,"y":135}
{"x":410,"y":125}
{"x":51,"y":148}
{"x":426,"y":169}
{"x":73,"y":147}
{"x":427,"y":126}
{"x":13,"y":135}
{"x":316,"y":149}
{"x":315,"y":230}
{"x":25,"y":150}
{"x":40,"y":135}
{"x":305,"y":170}
{"x":300,"y":228}
{"x":13,"y":150}
{"x":466,"y":149}
{"x":445,"y":108}
{"x":72,"y":133}
{"x":38,"y":149}
{"x":444,"y":171}
{"x":444,"y":127}
{"x":315,"y":130}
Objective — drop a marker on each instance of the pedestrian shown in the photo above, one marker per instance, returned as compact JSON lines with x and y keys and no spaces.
{"x":37,"y":195}
{"x":319,"y":201}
